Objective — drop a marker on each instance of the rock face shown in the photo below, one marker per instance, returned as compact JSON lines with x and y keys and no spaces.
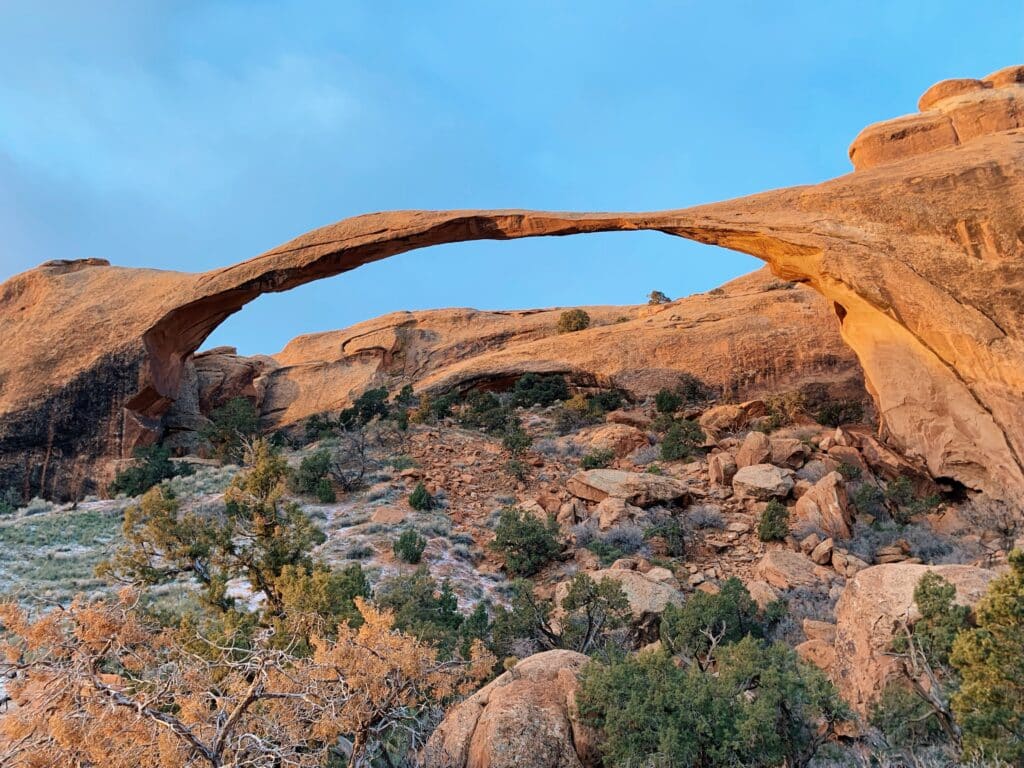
{"x":868,"y":616}
{"x":918,"y":252}
{"x":526,"y":716}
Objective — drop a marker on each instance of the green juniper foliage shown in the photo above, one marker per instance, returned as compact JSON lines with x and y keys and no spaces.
{"x":773,"y":524}
{"x":526,"y":542}
{"x":152,"y":466}
{"x":409,"y":546}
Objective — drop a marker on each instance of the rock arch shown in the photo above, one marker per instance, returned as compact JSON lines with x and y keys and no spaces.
{"x":921,"y":252}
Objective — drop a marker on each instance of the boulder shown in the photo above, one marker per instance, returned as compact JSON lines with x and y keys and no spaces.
{"x":822,"y":553}
{"x":637,"y":419}
{"x":762,"y":592}
{"x":721,"y":468}
{"x":614,"y":511}
{"x":826,"y":506}
{"x":819,"y":630}
{"x":731,"y":417}
{"x":784,"y":569}
{"x":526,"y":716}
{"x":820,"y":653}
{"x":619,"y":439}
{"x":869,"y":614}
{"x":762,"y":482}
{"x":788,"y":452}
{"x":642,"y":489}
{"x":756,"y":449}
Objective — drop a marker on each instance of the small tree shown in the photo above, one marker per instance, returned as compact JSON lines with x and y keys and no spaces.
{"x":515,"y":439}
{"x":152,"y":466}
{"x":774,"y":522}
{"x":409,"y":546}
{"x":681,"y":439}
{"x":990,"y":661}
{"x":230,"y":427}
{"x":420,"y":498}
{"x":589,"y":617}
{"x":325,"y":491}
{"x":526,"y":542}
{"x":371,"y":404}
{"x":657,"y":297}
{"x":312,"y":469}
{"x":573,"y":320}
{"x":258,"y":535}
{"x":755,"y":704}
{"x":667,"y":401}
{"x":427,"y":610}
{"x":705,"y":621}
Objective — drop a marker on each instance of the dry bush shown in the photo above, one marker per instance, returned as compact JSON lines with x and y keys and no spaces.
{"x":97,"y":685}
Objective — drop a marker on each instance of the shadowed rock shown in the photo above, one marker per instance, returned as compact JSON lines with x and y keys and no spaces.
{"x":921,"y":254}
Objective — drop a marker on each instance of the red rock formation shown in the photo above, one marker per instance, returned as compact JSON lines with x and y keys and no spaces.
{"x":794,"y":342}
{"x":920,"y":251}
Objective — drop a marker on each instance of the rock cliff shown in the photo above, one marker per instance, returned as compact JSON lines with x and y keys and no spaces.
{"x":920,"y":252}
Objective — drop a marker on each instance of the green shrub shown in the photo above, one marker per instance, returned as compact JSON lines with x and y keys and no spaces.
{"x":606,"y":400}
{"x":904,"y":503}
{"x":731,"y":614}
{"x":10,"y":500}
{"x":573,"y":320}
{"x":409,"y":546}
{"x":420,"y":498}
{"x":325,"y":491}
{"x":850,"y":471}
{"x":673,"y":533}
{"x":312,"y":469}
{"x":421,"y":606}
{"x":597,"y":459}
{"x":990,"y":662}
{"x":152,"y":466}
{"x":868,"y":499}
{"x":229,"y":427}
{"x":667,"y":401}
{"x":485,"y":412}
{"x":834,"y":414}
{"x":371,"y":404}
{"x":906,"y":719}
{"x":320,"y":426}
{"x":537,"y":389}
{"x":516,"y":469}
{"x":774,"y":522}
{"x":526,"y":542}
{"x":681,"y":439}
{"x":591,"y":613}
{"x":515,"y":439}
{"x":759,"y":707}
{"x":657,"y":297}
{"x":405,"y":397}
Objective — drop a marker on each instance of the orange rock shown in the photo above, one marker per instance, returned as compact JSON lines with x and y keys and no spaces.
{"x":868,"y":616}
{"x":917,"y":252}
{"x":826,"y":506}
{"x":526,"y":716}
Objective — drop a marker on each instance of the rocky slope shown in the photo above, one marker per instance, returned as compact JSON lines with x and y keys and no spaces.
{"x":919,"y":251}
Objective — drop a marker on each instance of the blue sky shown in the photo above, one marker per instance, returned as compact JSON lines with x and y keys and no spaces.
{"x":190,"y":135}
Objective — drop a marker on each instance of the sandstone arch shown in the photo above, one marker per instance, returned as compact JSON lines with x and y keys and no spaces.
{"x":921,"y":250}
